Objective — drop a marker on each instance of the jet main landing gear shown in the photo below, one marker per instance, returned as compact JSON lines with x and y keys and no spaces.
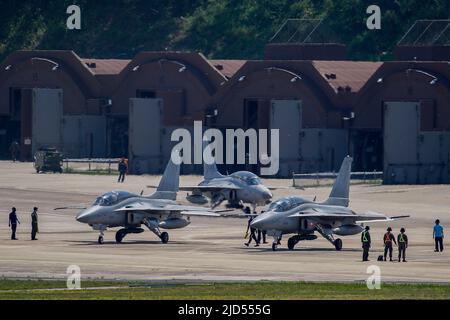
{"x":217,"y":200}
{"x":123,"y":232}
{"x":152,"y":225}
{"x":292,"y":242}
{"x":338,"y":244}
{"x":329,"y":236}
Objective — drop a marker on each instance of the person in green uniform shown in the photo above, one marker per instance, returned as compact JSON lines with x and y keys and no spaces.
{"x":13,"y":221}
{"x":402,"y":240}
{"x":34,"y":223}
{"x":366,"y":241}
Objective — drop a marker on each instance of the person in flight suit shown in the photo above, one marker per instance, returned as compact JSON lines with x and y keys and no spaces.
{"x":252,"y":235}
{"x":402,"y":240}
{"x":388,"y":239}
{"x":13,"y":221}
{"x":34,"y":223}
{"x":366,"y":241}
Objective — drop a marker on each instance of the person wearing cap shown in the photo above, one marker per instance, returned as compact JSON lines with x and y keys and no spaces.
{"x":366,"y":242}
{"x":402,"y":240}
{"x":438,"y":236}
{"x":34,"y":223}
{"x":13,"y":221}
{"x":388,"y":239}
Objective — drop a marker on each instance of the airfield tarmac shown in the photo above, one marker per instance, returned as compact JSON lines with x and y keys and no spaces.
{"x":209,"y":249}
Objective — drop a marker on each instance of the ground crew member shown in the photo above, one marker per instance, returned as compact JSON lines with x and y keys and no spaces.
{"x":402,"y":240}
{"x":262,"y":234}
{"x":252,"y":230}
{"x":14,"y":149}
{"x":366,"y":241}
{"x":438,"y":236}
{"x":123,"y":168}
{"x":388,"y":239}
{"x":13,"y":221}
{"x":34,"y":223}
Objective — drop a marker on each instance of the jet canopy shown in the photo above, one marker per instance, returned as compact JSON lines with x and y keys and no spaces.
{"x":248,"y":177}
{"x":285,"y":204}
{"x":112,"y":198}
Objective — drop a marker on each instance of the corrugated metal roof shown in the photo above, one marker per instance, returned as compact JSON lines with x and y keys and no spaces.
{"x":346,"y":74}
{"x":105,"y":66}
{"x":227,"y":67}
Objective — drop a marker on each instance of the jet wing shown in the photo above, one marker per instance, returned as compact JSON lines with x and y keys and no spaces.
{"x":213,"y":186}
{"x":173,"y":208}
{"x":273,"y":188}
{"x":74,"y":207}
{"x":345,"y":214}
{"x":372,"y":217}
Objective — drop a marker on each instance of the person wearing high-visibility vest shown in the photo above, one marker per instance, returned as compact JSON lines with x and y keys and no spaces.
{"x":402,"y":240}
{"x":388,"y":239}
{"x":366,"y":241}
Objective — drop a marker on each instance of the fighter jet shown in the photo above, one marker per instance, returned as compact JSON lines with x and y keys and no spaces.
{"x":302,"y":217}
{"x":238,"y":188}
{"x":130,"y":211}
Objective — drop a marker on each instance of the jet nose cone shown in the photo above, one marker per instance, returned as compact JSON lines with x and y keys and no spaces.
{"x":263,"y":221}
{"x":267,"y":196}
{"x":83,"y":216}
{"x":255,"y":223}
{"x":258,"y":223}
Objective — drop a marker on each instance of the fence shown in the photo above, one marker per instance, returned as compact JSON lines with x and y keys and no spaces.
{"x":326,"y":178}
{"x":91,"y":165}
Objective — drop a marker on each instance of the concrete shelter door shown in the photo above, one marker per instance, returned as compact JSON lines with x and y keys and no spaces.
{"x":401,"y":129}
{"x":145,"y":135}
{"x":47,"y":118}
{"x":286,"y":115}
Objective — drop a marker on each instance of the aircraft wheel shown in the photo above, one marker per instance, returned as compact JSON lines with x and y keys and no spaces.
{"x":100,"y":240}
{"x":291,"y":243}
{"x":119,"y":236}
{"x":274,"y":247}
{"x":164,"y":237}
{"x":338,"y":244}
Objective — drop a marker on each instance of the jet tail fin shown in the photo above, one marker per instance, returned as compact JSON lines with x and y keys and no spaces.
{"x":339,"y":195}
{"x":169,"y":184}
{"x":209,"y":169}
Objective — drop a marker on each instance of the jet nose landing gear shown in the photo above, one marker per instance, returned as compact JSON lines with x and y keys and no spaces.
{"x":101,"y":229}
